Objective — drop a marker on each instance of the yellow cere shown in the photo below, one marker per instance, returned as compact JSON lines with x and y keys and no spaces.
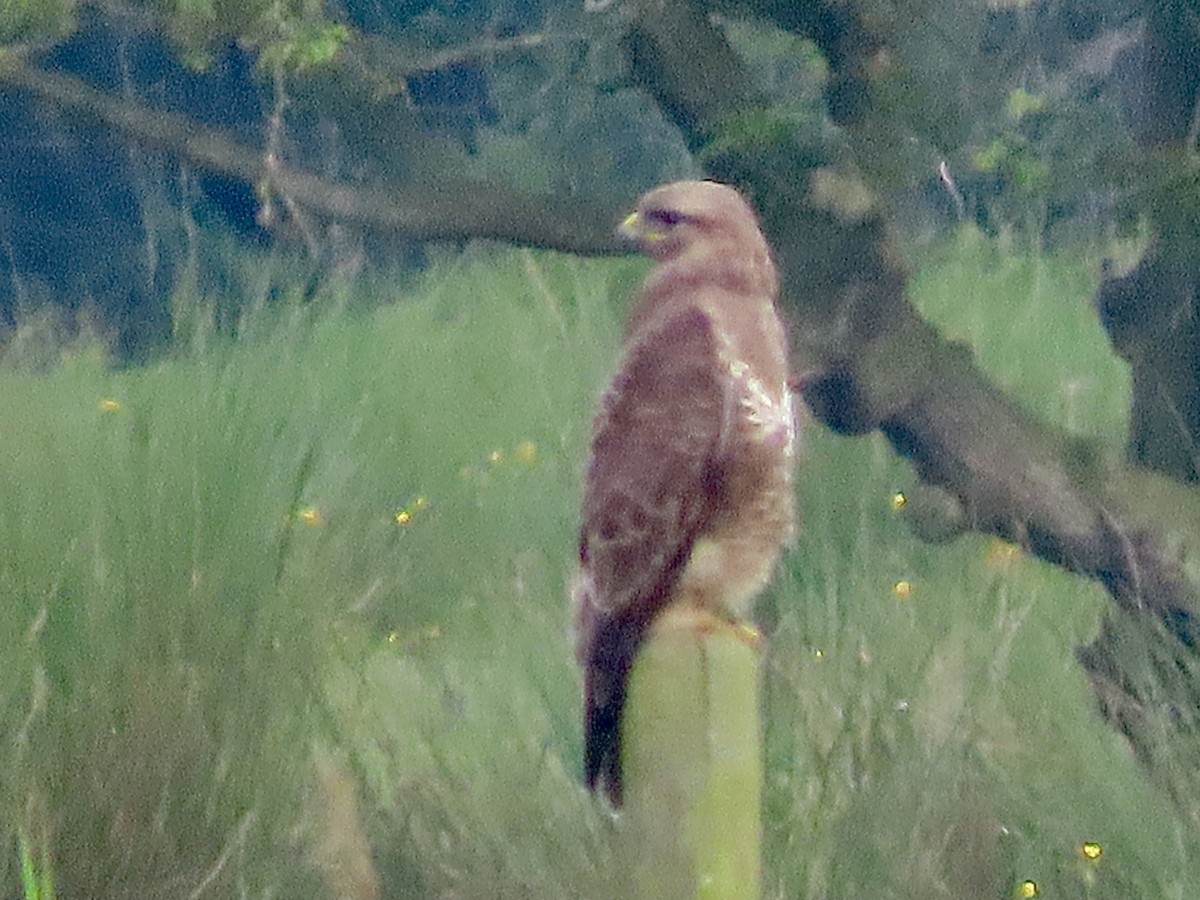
{"x":1027,"y":888}
{"x":527,"y":452}
{"x":1090,"y":850}
{"x":899,"y":501}
{"x":902,"y":589}
{"x":109,"y":405}
{"x":310,"y":515}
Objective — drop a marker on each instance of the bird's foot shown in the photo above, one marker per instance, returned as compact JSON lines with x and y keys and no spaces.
{"x":706,"y":622}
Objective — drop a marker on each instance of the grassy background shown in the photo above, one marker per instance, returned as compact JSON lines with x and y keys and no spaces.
{"x":306,"y":588}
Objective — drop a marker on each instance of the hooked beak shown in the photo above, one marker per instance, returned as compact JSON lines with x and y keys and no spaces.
{"x":636,"y":229}
{"x":630,"y":227}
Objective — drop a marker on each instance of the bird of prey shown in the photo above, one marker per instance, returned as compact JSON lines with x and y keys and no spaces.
{"x":688,"y":499}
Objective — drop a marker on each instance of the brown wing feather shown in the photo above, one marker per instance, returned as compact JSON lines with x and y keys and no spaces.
{"x":655,"y":478}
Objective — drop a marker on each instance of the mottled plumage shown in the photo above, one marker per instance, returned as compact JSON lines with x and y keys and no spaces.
{"x":688,"y":496}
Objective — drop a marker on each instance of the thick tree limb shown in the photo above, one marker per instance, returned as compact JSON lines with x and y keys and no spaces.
{"x":1151,"y":316}
{"x":454,"y":210}
{"x":1151,"y":313}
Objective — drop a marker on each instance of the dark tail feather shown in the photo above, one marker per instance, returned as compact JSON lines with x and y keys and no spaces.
{"x":612,"y":650}
{"x":602,"y":748}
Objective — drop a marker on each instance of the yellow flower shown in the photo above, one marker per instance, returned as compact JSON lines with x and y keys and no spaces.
{"x":109,"y":405}
{"x":310,"y":515}
{"x":419,"y":504}
{"x":902,"y":589}
{"x":527,"y":452}
{"x":1027,"y":889}
{"x":1001,"y":552}
{"x":1090,"y":850}
{"x":899,"y":501}
{"x":427,"y":632}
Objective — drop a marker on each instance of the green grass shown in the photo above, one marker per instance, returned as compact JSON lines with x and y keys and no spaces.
{"x":209,"y":596}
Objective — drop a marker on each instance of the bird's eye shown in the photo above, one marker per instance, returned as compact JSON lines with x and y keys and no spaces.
{"x":667,"y":217}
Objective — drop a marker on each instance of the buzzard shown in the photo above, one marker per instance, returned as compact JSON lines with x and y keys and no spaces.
{"x":688,"y":499}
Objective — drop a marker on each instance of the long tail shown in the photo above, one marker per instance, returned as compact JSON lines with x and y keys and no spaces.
{"x":610,"y":656}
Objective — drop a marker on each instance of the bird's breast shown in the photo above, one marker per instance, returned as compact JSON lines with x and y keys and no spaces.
{"x":765,"y":416}
{"x":733,"y":560}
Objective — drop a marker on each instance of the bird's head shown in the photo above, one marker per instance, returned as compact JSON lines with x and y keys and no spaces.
{"x":673,"y":218}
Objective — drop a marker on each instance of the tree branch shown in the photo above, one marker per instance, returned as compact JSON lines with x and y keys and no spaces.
{"x":456,"y":210}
